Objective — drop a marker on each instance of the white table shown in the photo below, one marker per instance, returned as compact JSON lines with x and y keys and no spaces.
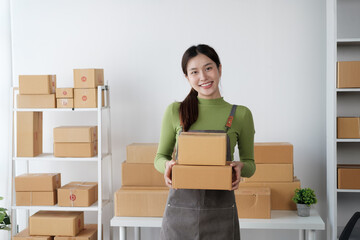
{"x":280,"y":219}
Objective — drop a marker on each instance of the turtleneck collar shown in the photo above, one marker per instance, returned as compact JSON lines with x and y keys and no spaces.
{"x":216,"y":101}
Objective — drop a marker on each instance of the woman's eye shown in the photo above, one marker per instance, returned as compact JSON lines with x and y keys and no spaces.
{"x":193,"y":72}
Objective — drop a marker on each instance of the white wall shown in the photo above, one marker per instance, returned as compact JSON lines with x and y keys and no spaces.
{"x":273,"y":56}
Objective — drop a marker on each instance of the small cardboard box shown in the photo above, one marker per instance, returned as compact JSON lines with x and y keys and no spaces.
{"x":55,"y":223}
{"x":38,"y":182}
{"x":65,"y":93}
{"x":273,"y":152}
{"x":140,"y":202}
{"x":348,"y":127}
{"x":36,"y":198}
{"x":348,"y":74}
{"x":29,"y":134}
{"x":24,"y":235}
{"x":86,"y":98}
{"x":202,"y":177}
{"x":141,"y":152}
{"x":88,"y":233}
{"x":75,"y":149}
{"x":88,"y":78}
{"x":253,"y":202}
{"x":75,"y":134}
{"x":202,"y":149}
{"x":141,"y":174}
{"x":37,"y":84}
{"x":65,"y":103}
{"x":272,"y":173}
{"x":78,"y":194}
{"x":36,"y":101}
{"x":348,"y":176}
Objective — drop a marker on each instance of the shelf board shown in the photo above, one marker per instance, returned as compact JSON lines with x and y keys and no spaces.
{"x":348,"y":90}
{"x":348,"y":190}
{"x":58,"y":109}
{"x":348,"y":140}
{"x":348,"y":41}
{"x":50,"y":157}
{"x":93,"y":208}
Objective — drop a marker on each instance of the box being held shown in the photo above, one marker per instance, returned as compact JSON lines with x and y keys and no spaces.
{"x":253,"y":202}
{"x":37,"y":182}
{"x":37,"y":84}
{"x":88,"y":78}
{"x":78,"y":194}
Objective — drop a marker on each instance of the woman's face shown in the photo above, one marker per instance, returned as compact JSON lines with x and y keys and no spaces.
{"x":204,"y":76}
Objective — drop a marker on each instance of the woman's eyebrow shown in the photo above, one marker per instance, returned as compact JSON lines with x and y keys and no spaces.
{"x":208,"y":64}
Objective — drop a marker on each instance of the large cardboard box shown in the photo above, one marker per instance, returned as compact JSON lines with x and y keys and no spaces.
{"x":36,"y":198}
{"x":88,"y":78}
{"x":29,"y":134}
{"x":348,"y":176}
{"x":55,"y":223}
{"x":273,"y":152}
{"x":253,"y":202}
{"x":38,"y":182}
{"x":140,"y":202}
{"x":281,"y":193}
{"x":78,"y":194}
{"x":37,"y":84}
{"x":141,"y":174}
{"x":65,"y":93}
{"x":86,"y":98}
{"x":202,"y":177}
{"x":272,"y":173}
{"x":202,"y":149}
{"x":36,"y":101}
{"x":348,"y":127}
{"x":348,"y":74}
{"x":141,"y":152}
{"x":24,"y":235}
{"x":88,"y":233}
{"x":77,"y":149}
{"x":65,"y":103}
{"x":75,"y":134}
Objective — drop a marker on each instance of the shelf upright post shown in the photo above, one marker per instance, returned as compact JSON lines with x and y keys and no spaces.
{"x":12,"y":167}
{"x":99,"y":159}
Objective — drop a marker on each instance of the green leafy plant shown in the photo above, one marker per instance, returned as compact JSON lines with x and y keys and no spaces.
{"x":4,"y":218}
{"x":305,"y":196}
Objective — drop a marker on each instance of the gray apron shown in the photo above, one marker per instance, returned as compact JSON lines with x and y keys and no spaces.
{"x":196,"y":214}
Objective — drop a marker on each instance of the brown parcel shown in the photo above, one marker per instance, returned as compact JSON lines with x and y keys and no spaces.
{"x":273,"y":152}
{"x":202,"y":177}
{"x":348,"y":127}
{"x":88,"y":78}
{"x":56,"y":223}
{"x":24,"y":235}
{"x":64,"y":93}
{"x":65,"y":103}
{"x":141,"y":174}
{"x":88,"y":233}
{"x":38,"y":182}
{"x":281,"y":193}
{"x":253,"y":202}
{"x":140,"y":202}
{"x":348,"y":74}
{"x":272,"y":173}
{"x":348,"y":176}
{"x":75,"y":134}
{"x":36,"y":101}
{"x":141,"y":152}
{"x":29,"y":134}
{"x":85,"y":149}
{"x":87,"y":98}
{"x":202,"y":149}
{"x":78,"y":194}
{"x":37,"y":84}
{"x":36,"y":198}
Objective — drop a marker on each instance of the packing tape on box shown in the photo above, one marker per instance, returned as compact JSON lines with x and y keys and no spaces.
{"x":74,"y":187}
{"x":53,"y":90}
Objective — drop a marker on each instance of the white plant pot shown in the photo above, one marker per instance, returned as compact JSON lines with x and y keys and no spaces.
{"x":303,"y":210}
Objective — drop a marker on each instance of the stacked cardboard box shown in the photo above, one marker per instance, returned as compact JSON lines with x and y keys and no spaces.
{"x":348,"y":176}
{"x":65,"y":97}
{"x":348,"y":127}
{"x":78,"y":194}
{"x":348,"y":74}
{"x":29,"y":134}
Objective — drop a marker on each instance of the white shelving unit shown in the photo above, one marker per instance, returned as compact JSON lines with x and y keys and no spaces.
{"x":103,"y":158}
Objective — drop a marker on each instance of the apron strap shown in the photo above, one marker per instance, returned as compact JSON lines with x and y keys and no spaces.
{"x":230,"y":118}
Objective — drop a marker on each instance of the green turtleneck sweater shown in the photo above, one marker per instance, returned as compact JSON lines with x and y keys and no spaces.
{"x":213,"y":114}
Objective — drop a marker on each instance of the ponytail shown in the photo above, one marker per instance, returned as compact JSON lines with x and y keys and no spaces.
{"x":189,"y":110}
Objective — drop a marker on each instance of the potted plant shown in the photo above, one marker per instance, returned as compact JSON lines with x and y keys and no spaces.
{"x":304,"y":198}
{"x":4,"y":218}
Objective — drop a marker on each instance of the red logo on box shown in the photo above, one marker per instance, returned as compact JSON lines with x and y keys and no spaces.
{"x":65,"y":92}
{"x":83,"y":78}
{"x":84,"y":98}
{"x":72,"y":197}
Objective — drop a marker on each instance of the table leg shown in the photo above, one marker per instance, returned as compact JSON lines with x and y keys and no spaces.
{"x":137,"y":235}
{"x":122,"y":233}
{"x":302,"y":234}
{"x":311,"y":234}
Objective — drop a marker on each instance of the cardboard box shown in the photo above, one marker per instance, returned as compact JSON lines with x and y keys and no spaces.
{"x":77,"y":149}
{"x":65,"y":93}
{"x":38,"y":182}
{"x":86,"y":98}
{"x":348,"y":127}
{"x":88,"y":78}
{"x":141,"y":174}
{"x":75,"y":134}
{"x":348,"y":74}
{"x":272,"y":173}
{"x":140,"y":202}
{"x":36,"y":198}
{"x":29,"y":134}
{"x":141,"y":152}
{"x":253,"y":202}
{"x":202,"y":177}
{"x":65,"y":103}
{"x":78,"y":194}
{"x":348,"y":176}
{"x":88,"y":233}
{"x":273,"y":152}
{"x":202,"y":149}
{"x":24,"y":235}
{"x":55,"y":223}
{"x":37,"y":84}
{"x":36,"y":101}
{"x":281,"y":193}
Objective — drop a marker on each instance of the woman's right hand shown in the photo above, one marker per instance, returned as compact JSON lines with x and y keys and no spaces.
{"x":167,"y":173}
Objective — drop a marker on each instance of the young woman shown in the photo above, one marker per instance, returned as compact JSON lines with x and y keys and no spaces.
{"x":193,"y":214}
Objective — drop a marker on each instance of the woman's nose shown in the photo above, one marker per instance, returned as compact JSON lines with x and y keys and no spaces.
{"x":202,"y":75}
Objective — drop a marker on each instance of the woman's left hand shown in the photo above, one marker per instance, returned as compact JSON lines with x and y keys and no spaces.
{"x":237,"y":166}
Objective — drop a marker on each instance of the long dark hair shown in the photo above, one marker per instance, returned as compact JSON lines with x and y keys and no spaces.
{"x":189,"y":110}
